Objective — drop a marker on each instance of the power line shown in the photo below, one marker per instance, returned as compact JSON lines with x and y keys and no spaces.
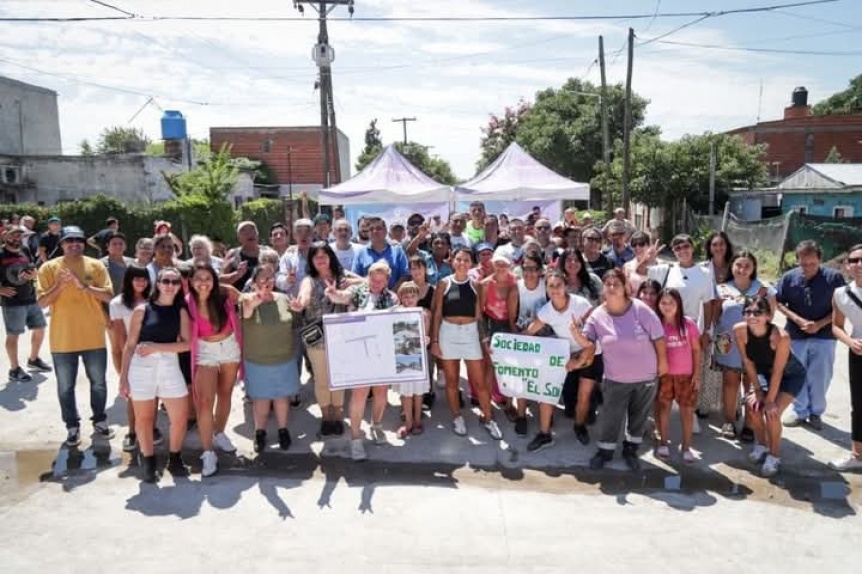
{"x":641,"y":16}
{"x":114,"y":8}
{"x":761,"y":50}
{"x":675,"y":30}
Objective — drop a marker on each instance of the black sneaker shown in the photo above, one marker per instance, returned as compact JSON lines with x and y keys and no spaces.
{"x":39,"y":365}
{"x":521,"y":426}
{"x":746,"y":435}
{"x":338,"y":428}
{"x":102,"y":430}
{"x":149,"y":473}
{"x":582,"y":434}
{"x":130,"y":442}
{"x":815,"y":422}
{"x":283,"y":439}
{"x":20,"y":375}
{"x":326,"y":428}
{"x":73,"y":436}
{"x":601,"y":458}
{"x":541,"y":440}
{"x":176,"y":466}
{"x":428,"y":400}
{"x":259,"y":440}
{"x":296,"y":402}
{"x":158,"y":438}
{"x":630,"y":455}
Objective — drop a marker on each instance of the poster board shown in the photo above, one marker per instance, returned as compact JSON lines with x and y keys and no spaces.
{"x":374,"y":347}
{"x":532,"y":368}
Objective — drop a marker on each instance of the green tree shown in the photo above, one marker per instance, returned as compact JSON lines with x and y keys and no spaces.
{"x":848,"y":101}
{"x":373,"y":146}
{"x":118,"y":140}
{"x":200,"y":148}
{"x":500,"y":132}
{"x":86,"y":148}
{"x":434,"y":167}
{"x":212,"y":180}
{"x":834,"y":156}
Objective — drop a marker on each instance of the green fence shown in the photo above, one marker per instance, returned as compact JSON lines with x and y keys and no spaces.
{"x":835,"y":236}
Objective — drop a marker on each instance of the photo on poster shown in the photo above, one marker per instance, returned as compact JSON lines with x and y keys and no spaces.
{"x":407,"y":337}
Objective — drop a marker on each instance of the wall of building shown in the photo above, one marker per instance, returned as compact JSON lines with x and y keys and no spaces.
{"x":822,"y":203}
{"x":29,"y":119}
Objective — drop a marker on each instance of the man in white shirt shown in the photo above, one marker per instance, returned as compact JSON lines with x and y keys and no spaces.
{"x":456,"y":231}
{"x":345,"y":250}
{"x":517,"y":235}
{"x":291,"y":267}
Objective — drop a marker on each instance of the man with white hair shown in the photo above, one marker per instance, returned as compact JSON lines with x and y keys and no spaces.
{"x":291,"y":268}
{"x":345,"y":250}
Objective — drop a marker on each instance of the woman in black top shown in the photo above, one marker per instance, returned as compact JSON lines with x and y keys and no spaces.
{"x":158,"y":331}
{"x":779,"y":375}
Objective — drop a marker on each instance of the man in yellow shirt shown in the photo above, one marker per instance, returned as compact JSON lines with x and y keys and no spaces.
{"x":74,"y":287}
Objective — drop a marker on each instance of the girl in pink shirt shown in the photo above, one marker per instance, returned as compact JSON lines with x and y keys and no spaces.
{"x":682,"y":380}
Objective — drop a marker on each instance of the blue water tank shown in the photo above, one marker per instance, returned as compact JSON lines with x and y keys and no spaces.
{"x":173,"y":125}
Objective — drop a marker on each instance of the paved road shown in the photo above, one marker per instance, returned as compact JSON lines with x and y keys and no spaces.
{"x":434,"y":503}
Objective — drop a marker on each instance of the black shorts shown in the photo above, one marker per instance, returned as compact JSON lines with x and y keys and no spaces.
{"x":595,"y":371}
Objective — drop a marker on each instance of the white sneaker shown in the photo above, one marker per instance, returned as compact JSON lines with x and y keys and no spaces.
{"x":770,"y":466}
{"x":849,"y":462}
{"x":757,"y":453}
{"x":223,"y":443}
{"x":357,"y":449}
{"x":210,"y":461}
{"x":377,"y":434}
{"x":459,"y":427}
{"x":493,"y":429}
{"x":695,"y":428}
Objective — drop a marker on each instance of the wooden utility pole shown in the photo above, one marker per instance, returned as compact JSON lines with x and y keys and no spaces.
{"x":606,"y":136}
{"x":712,"y":164}
{"x":403,"y":122}
{"x":627,"y":127}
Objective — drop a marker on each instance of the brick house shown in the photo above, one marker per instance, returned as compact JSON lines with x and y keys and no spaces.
{"x":801,"y":137}
{"x":294,"y":155}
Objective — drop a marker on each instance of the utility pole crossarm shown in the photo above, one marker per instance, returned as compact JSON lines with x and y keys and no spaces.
{"x":403,"y":122}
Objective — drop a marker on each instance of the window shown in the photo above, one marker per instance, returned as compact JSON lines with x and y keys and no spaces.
{"x":809,"y":148}
{"x":842,"y":211}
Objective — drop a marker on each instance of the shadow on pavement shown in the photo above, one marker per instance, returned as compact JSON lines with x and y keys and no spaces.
{"x":15,"y":395}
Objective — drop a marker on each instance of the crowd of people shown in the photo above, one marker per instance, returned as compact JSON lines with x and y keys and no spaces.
{"x":643,"y":332}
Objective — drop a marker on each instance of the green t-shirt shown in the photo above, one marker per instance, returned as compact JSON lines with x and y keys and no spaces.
{"x":474,"y":235}
{"x":268,"y":335}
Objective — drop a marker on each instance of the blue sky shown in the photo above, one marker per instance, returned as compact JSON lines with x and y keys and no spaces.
{"x":449,"y":75}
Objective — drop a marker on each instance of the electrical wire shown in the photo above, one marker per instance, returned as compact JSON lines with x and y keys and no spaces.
{"x":114,"y":8}
{"x":761,"y":50}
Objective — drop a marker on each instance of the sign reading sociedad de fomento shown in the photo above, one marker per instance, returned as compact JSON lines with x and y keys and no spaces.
{"x":532,"y":368}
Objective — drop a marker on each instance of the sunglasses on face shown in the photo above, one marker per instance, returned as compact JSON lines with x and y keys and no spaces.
{"x":73,"y":240}
{"x":638,"y":243}
{"x":682,"y":247}
{"x":530,"y":269}
{"x":752,"y":312}
{"x":854,"y":260}
{"x":543,"y":227}
{"x":593,"y":239}
{"x":174,"y":282}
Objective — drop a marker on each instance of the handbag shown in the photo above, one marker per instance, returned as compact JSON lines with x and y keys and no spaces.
{"x":312,"y":334}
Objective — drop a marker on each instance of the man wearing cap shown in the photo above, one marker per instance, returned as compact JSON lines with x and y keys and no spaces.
{"x":618,"y":253}
{"x":396,"y":233}
{"x":323,"y":227}
{"x":99,"y":241}
{"x":74,"y":287}
{"x":379,"y":248}
{"x":18,"y":298}
{"x":49,"y":243}
{"x":291,"y":266}
{"x":484,"y":253}
{"x":241,"y":261}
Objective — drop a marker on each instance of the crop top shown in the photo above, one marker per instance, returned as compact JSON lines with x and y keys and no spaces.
{"x":161,"y":324}
{"x":205,"y":328}
{"x":459,"y":299}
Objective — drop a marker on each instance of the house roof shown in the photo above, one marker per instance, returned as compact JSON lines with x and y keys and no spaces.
{"x":822,"y":176}
{"x":24,"y":85}
{"x":846,"y":174}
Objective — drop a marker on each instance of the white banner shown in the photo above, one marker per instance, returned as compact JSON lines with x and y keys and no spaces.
{"x":532,"y":368}
{"x":377,"y":347}
{"x":396,"y":212}
{"x":550,"y":209}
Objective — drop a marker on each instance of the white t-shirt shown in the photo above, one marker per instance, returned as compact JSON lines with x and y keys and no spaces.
{"x":529,"y":302}
{"x":852,"y":311}
{"x":560,"y":320}
{"x":118,"y":311}
{"x":695,"y":284}
{"x":346,"y":256}
{"x":462,"y":239}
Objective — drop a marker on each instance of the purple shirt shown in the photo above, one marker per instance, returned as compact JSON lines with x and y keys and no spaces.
{"x":627,"y":342}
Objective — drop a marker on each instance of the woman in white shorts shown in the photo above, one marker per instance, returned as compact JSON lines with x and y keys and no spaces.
{"x":158,"y":331}
{"x":456,"y":335}
{"x":215,"y":348}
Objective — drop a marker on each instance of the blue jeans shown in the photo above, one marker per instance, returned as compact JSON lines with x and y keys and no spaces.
{"x":818,"y":357}
{"x":66,"y":369}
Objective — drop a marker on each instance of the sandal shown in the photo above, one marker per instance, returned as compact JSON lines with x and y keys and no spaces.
{"x":417,"y":429}
{"x":403,"y":431}
{"x":662,"y":452}
{"x":688,"y":457}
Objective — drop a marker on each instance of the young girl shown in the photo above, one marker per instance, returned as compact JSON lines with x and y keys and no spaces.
{"x":498,"y":298}
{"x":648,"y":292}
{"x":411,"y":393}
{"x":682,"y":380}
{"x":778,"y":377}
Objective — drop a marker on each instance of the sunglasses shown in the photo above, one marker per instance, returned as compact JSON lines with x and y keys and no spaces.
{"x":170,"y":282}
{"x":854,"y":260}
{"x":593,"y":239}
{"x":543,"y":227}
{"x":73,"y":240}
{"x":682,"y":246}
{"x":530,"y":269}
{"x":638,"y":243}
{"x":752,"y":312}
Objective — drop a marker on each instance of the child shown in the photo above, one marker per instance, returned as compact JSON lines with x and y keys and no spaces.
{"x":682,"y":380}
{"x":411,"y":393}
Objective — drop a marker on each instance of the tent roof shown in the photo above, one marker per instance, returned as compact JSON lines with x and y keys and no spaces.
{"x":390,"y":178}
{"x":517,"y":176}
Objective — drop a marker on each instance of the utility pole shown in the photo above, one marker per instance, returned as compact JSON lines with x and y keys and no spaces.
{"x":403,"y":122}
{"x":712,"y":161}
{"x":627,"y":126}
{"x":324,"y":55}
{"x":606,"y":136}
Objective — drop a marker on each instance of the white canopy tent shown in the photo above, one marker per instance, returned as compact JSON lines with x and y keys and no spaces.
{"x":390,"y":178}
{"x":517,"y":176}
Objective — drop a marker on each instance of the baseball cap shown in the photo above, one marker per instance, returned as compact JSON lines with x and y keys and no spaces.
{"x":322,"y":218}
{"x":302,"y":223}
{"x":53,"y":219}
{"x":484,"y":246}
{"x":500,"y":257}
{"x":72,"y":232}
{"x":243,"y":224}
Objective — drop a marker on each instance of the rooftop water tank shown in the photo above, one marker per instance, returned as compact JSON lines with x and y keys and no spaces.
{"x":173,"y":125}
{"x":800,"y":97}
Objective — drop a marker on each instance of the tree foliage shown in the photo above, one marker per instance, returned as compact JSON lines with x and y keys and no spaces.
{"x":417,"y":154}
{"x":562,"y":128}
{"x":212,"y":180}
{"x":200,"y":148}
{"x":834,"y":156}
{"x":847,"y":101}
{"x":119,"y":140}
{"x":373,"y":146}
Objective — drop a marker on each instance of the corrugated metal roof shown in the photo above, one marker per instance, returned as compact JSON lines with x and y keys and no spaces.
{"x":846,"y":174}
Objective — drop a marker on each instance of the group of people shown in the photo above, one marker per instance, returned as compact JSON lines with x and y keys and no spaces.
{"x":642,"y":333}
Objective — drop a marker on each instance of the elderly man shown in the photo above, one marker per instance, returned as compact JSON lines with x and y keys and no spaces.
{"x":345,"y":250}
{"x":619,"y":252}
{"x":543,"y":236}
{"x":20,"y":310}
{"x":804,"y":295}
{"x":240,"y":261}
{"x":618,"y":218}
{"x":379,"y":248}
{"x":291,"y":267}
{"x":74,"y":287}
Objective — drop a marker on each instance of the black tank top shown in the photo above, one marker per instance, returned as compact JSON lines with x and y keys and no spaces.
{"x":760,"y":351}
{"x":161,"y":324}
{"x":459,"y":299}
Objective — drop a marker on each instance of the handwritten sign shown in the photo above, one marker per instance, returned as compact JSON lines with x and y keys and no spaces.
{"x":532,"y":368}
